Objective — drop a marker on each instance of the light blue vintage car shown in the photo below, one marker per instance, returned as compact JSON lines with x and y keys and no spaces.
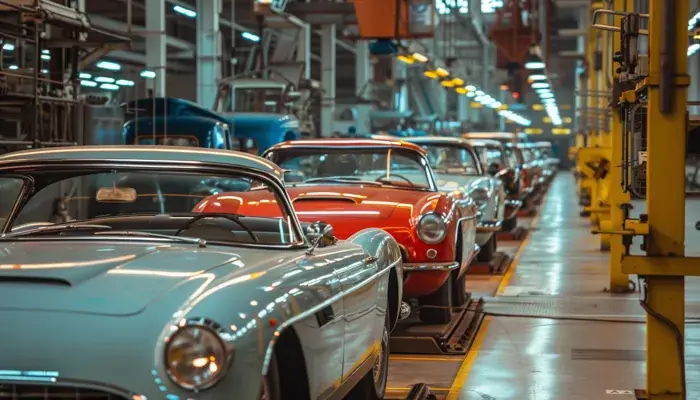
{"x":460,"y":173}
{"x":113,"y":288}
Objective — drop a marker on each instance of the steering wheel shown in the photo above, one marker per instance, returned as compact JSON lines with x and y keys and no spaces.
{"x":383,"y":178}
{"x":231,"y":217}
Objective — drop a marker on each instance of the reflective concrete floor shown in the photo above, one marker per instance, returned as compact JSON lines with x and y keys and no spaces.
{"x":527,"y":351}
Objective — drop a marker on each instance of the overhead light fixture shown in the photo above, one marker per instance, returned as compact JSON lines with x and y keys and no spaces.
{"x":431,"y":74}
{"x":8,"y":47}
{"x":442,"y":72}
{"x":537,"y":107}
{"x":447,"y":84}
{"x":480,"y":93}
{"x":504,"y":87}
{"x":693,"y":48}
{"x":546,"y":96}
{"x":185,"y":11}
{"x":540,"y":85}
{"x":534,"y":65}
{"x":108,"y":65}
{"x":44,"y":71}
{"x":471,"y":88}
{"x":405,"y":59}
{"x":458,"y":81}
{"x":13,"y":67}
{"x":125,"y":82}
{"x":461,"y":90}
{"x":471,"y":94}
{"x":45,"y":51}
{"x":250,"y":36}
{"x":419,"y":57}
{"x":45,"y":57}
{"x":104,"y":79}
{"x":537,"y":77}
{"x":109,"y":86}
{"x":84,"y":75}
{"x":540,"y":91}
{"x":88,"y":83}
{"x":147,"y":74}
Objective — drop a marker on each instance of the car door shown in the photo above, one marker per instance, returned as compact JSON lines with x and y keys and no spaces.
{"x":356,"y":270}
{"x":323,"y":334}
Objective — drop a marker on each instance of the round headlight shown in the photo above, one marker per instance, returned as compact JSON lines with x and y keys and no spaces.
{"x":431,"y":229}
{"x":195,"y":357}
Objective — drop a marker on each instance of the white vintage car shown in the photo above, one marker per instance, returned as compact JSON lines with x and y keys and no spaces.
{"x":113,"y":288}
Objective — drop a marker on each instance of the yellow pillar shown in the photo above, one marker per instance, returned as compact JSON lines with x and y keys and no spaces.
{"x":619,"y":282}
{"x":593,"y":112}
{"x":666,"y":201}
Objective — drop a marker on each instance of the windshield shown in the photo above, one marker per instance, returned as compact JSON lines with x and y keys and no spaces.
{"x":259,"y":100}
{"x":121,"y":201}
{"x":449,"y":158}
{"x":380,"y":166}
{"x":514,"y":156}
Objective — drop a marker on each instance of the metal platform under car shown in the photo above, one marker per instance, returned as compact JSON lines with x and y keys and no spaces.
{"x":455,"y":338}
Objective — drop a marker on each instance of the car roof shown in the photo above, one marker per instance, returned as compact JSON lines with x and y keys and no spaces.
{"x":542,"y":144}
{"x":376,"y":141}
{"x":485,"y":142}
{"x":139,"y":152}
{"x":490,"y":135}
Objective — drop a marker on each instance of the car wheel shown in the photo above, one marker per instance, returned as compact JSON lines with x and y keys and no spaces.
{"x":509,"y":224}
{"x":373,"y":384}
{"x":488,"y":250}
{"x":459,"y":289}
{"x":270,"y":386}
{"x":436,"y":308}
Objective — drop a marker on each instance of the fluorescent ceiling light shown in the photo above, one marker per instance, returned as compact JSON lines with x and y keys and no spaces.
{"x":104,"y":79}
{"x":534,"y":65}
{"x":693,"y":48}
{"x":45,"y":51}
{"x":84,"y":75}
{"x":109,"y":65}
{"x":471,"y":94}
{"x":8,"y":47}
{"x":44,"y":71}
{"x":546,"y":96}
{"x":185,"y":11}
{"x":540,"y":85}
{"x":147,"y":74}
{"x":125,"y":82}
{"x":13,"y":67}
{"x":479,"y":93}
{"x":109,"y":86}
{"x":419,"y":57}
{"x":538,"y":77}
{"x":471,"y":88}
{"x":88,"y":83}
{"x":250,"y":36}
{"x":45,"y":57}
{"x":540,"y":91}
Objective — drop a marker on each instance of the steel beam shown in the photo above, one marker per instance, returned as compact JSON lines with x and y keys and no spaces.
{"x":328,"y":70}
{"x":136,"y":30}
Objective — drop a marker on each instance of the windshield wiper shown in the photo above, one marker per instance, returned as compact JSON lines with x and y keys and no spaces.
{"x":57,"y":229}
{"x":200,"y":242}
{"x":341,"y":180}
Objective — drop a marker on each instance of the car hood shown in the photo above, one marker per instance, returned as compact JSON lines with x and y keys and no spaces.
{"x":99,"y":278}
{"x":350,"y":201}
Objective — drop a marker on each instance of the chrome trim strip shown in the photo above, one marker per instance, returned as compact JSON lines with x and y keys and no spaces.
{"x":448,"y":266}
{"x":488,"y":226}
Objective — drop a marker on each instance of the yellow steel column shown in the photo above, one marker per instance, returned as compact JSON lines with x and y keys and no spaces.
{"x":666,"y":197}
{"x":619,"y":281}
{"x":593,"y":113}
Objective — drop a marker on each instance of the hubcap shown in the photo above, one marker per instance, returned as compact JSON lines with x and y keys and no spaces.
{"x":378,"y":370}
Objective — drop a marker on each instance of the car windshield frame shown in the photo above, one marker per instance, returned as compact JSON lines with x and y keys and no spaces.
{"x":472,"y":154}
{"x":432,"y":182}
{"x":26,"y":170}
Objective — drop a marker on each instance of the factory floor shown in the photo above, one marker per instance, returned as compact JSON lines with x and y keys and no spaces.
{"x":552,"y":331}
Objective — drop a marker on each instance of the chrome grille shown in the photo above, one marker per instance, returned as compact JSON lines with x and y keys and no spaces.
{"x":51,"y":392}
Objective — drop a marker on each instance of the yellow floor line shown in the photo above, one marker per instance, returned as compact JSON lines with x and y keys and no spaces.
{"x":406,"y":389}
{"x":466,"y":366}
{"x":427,"y":358}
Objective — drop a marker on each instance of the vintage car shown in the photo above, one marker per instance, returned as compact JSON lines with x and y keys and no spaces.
{"x":531,"y":172}
{"x":460,"y":173}
{"x":176,"y":122}
{"x":354,"y":184}
{"x":503,"y":137}
{"x":175,"y":302}
{"x":543,"y":153}
{"x":494,"y":160}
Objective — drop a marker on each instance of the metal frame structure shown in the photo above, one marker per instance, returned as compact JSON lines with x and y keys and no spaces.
{"x":45,"y":108}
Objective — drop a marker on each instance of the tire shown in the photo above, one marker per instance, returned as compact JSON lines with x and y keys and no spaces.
{"x":510,"y":224}
{"x":270,"y":387}
{"x":459,"y":289}
{"x":373,"y":385}
{"x":488,"y":250}
{"x":436,"y":308}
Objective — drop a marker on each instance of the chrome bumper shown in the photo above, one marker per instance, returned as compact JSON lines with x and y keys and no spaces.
{"x":448,"y":266}
{"x":489,"y":226}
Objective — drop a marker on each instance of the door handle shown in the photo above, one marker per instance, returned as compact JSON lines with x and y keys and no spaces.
{"x":370,"y":259}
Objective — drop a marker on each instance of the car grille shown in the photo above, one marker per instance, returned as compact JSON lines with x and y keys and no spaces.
{"x":51,"y":392}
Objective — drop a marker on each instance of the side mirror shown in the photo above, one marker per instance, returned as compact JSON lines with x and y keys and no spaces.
{"x":493,"y":169}
{"x":320,"y":234}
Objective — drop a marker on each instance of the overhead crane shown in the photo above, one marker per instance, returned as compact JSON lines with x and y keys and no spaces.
{"x":663,"y":92}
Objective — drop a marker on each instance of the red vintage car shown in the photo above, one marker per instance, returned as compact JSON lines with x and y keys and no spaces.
{"x":355,"y":184}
